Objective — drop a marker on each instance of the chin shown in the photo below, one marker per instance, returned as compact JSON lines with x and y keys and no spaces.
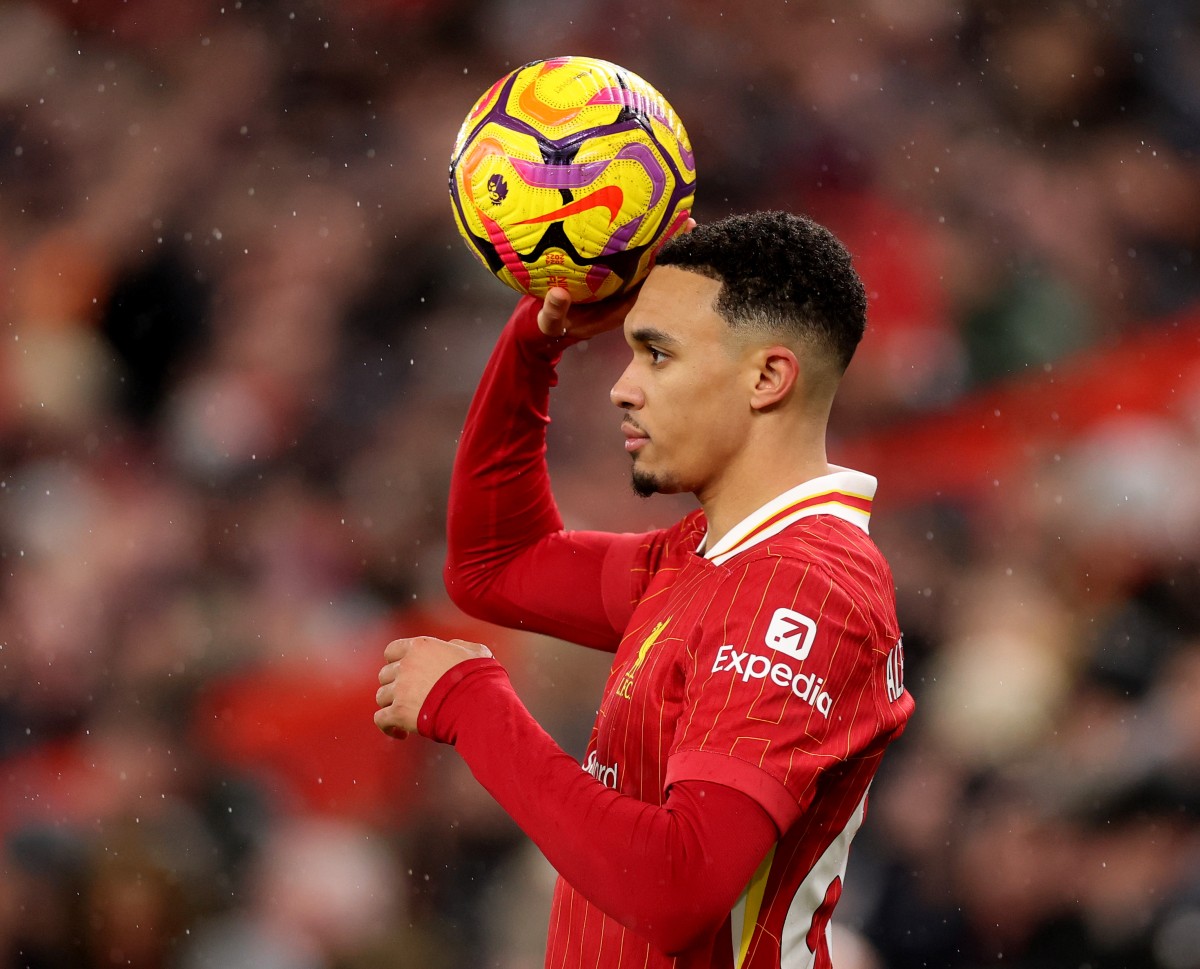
{"x":646,"y":483}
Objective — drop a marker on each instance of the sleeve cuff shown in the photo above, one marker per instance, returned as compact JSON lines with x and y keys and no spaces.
{"x":530,"y":336}
{"x":769,"y":792}
{"x":439,"y":713}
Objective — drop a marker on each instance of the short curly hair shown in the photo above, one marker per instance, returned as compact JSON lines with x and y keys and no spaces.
{"x":778,"y":271}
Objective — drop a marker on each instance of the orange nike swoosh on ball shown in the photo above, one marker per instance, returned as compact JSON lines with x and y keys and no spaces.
{"x":609,"y":197}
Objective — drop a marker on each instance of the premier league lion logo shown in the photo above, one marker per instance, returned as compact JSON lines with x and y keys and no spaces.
{"x":497,"y":189}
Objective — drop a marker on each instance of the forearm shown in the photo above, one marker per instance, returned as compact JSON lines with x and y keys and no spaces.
{"x":508,"y":561}
{"x":500,"y":498}
{"x":635,"y":861}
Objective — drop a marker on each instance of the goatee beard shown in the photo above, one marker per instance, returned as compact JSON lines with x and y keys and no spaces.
{"x":644,"y":483}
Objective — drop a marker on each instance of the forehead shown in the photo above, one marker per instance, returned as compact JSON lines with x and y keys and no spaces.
{"x":677,"y":302}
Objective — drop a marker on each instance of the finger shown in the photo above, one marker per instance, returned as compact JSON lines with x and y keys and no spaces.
{"x":384,"y":696}
{"x":552,"y":318}
{"x":381,"y":721}
{"x":389,"y":673}
{"x":396,"y":649}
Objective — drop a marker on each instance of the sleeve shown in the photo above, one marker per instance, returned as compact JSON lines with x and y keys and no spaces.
{"x":508,"y":560}
{"x":635,"y":861}
{"x":786,"y":681}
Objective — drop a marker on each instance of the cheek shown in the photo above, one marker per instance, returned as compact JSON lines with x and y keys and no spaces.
{"x":704,"y":421}
{"x":695,"y":403}
{"x":721,"y":419}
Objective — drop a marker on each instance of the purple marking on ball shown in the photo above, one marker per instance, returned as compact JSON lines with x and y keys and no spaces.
{"x":596,"y":275}
{"x":576,"y":138}
{"x":495,"y":112}
{"x":538,"y":175}
{"x":687,"y":156}
{"x":647,"y":159}
{"x":631,"y":99}
{"x":619,"y":240}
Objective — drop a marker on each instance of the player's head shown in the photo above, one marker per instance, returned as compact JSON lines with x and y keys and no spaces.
{"x":780,"y":273}
{"x":740,"y":336}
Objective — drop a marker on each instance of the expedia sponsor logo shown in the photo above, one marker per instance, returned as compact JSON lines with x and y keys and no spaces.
{"x":605,"y":774}
{"x":791,"y":632}
{"x":752,"y":666}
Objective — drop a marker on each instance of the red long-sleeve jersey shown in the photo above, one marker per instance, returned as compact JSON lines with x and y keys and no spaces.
{"x":756,"y":681}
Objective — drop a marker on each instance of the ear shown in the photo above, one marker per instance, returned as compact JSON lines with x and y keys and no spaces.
{"x":778,"y":372}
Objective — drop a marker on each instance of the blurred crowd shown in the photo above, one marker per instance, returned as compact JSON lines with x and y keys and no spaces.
{"x":238,"y":334}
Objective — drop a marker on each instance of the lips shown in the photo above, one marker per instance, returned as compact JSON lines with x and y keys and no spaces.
{"x":635,"y":437}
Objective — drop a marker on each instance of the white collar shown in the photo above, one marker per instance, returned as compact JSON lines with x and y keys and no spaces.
{"x":843,"y":493}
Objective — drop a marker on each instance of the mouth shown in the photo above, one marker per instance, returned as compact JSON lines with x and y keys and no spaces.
{"x":635,"y":437}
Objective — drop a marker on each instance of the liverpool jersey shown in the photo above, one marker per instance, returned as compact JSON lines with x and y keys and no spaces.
{"x":769,"y":662}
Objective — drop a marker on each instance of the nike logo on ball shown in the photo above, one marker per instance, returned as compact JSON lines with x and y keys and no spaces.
{"x":610,"y":197}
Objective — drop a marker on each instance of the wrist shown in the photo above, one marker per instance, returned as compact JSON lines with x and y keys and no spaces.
{"x":448,"y":700}
{"x":530,"y":335}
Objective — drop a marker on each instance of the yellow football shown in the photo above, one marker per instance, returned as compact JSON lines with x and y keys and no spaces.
{"x":572,"y":172}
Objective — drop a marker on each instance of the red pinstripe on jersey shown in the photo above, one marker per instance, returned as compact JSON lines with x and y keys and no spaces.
{"x":704,"y":686}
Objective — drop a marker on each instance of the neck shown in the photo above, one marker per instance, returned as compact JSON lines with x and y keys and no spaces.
{"x":737,"y":494}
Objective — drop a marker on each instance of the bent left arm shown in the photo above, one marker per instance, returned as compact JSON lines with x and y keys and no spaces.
{"x":670,"y":873}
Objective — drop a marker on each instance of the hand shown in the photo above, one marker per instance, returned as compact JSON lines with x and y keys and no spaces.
{"x":413,"y":667}
{"x":556,"y":317}
{"x":559,"y":317}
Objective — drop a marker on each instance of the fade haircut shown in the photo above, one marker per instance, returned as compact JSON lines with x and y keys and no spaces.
{"x":780,"y":272}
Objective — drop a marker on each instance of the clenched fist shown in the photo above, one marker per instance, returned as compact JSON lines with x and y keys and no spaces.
{"x":413,"y":667}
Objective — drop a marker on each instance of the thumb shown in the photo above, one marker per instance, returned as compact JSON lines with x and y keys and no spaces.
{"x":552,"y":319}
{"x":476,"y":649}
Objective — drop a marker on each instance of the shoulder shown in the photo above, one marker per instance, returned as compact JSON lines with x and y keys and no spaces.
{"x":820,"y":564}
{"x":823,"y":542}
{"x":841,"y":549}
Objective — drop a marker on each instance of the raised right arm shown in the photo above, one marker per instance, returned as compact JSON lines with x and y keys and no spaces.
{"x":508,"y":560}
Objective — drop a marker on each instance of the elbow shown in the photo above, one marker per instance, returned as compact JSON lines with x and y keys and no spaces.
{"x":472,"y":594}
{"x":463,"y":592}
{"x":452,"y":579}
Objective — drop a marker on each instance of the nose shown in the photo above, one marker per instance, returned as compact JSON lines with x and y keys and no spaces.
{"x":625,"y":392}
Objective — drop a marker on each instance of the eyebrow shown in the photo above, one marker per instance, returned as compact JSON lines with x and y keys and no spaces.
{"x":649,"y":334}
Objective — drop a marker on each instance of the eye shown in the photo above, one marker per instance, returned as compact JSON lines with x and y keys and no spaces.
{"x":656,"y":355}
